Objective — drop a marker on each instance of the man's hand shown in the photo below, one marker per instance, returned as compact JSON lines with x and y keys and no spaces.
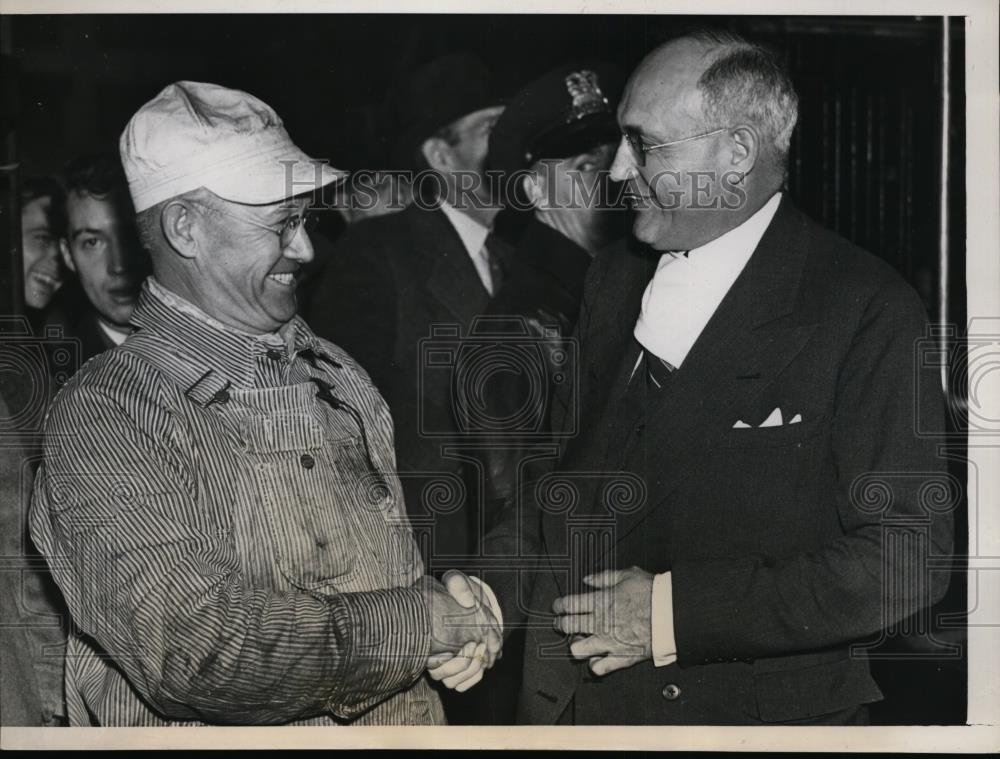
{"x":460,"y":672}
{"x":612,"y":624}
{"x":466,"y":637}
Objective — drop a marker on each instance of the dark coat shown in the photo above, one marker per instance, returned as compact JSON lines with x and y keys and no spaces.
{"x":538,"y":305}
{"x":547,"y":282}
{"x":390,"y":281}
{"x":71,"y":312}
{"x":774,"y":536}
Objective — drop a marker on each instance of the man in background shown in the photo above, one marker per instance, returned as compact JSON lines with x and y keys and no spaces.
{"x":43,"y":220}
{"x":102,"y":248}
{"x":391,"y":279}
{"x":553,"y":144}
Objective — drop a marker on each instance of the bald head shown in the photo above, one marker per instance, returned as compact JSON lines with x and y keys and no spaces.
{"x":667,"y":79}
{"x":707,"y":120}
{"x":718,"y":80}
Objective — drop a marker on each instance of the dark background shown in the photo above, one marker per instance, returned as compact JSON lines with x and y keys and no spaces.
{"x":865,"y":157}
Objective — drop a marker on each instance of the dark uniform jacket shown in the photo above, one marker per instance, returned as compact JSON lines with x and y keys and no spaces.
{"x":538,"y":307}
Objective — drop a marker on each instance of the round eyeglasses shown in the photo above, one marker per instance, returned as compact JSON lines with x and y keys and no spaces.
{"x":639,"y":148}
{"x":286,"y":231}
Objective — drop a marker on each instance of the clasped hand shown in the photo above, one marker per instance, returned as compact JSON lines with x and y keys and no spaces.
{"x":465,"y":637}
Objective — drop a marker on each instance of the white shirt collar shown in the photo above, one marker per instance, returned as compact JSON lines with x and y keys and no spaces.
{"x":473,"y":236}
{"x":473,"y":233}
{"x":746,"y":236}
{"x":115,"y":336}
{"x":686,"y":291}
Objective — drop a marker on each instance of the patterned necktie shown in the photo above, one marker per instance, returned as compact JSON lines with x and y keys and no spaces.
{"x":657,"y":370}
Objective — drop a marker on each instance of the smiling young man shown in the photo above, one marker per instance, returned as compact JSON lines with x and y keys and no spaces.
{"x":42,"y":222}
{"x":218,"y":501}
{"x":101,"y":247}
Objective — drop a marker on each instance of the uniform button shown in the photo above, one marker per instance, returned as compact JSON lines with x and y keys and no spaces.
{"x":221,"y":397}
{"x":274,"y":355}
{"x":307,"y":461}
{"x":671,"y":692}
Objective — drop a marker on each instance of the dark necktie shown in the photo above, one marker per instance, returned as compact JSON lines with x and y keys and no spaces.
{"x":499,"y":255}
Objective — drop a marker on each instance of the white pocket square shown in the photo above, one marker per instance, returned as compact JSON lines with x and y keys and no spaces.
{"x":774,"y":419}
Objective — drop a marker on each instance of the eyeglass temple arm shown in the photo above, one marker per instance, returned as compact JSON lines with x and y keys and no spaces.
{"x":686,"y":139}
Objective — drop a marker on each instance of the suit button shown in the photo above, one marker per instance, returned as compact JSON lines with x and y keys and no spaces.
{"x":274,"y":355}
{"x":671,"y":692}
{"x":307,"y":461}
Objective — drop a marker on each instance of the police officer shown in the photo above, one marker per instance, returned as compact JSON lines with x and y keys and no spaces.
{"x":554,"y":144}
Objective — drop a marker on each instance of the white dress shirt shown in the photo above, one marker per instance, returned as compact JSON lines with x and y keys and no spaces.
{"x":473,"y":236}
{"x":114,"y":335}
{"x":685,"y":291}
{"x":679,"y":301}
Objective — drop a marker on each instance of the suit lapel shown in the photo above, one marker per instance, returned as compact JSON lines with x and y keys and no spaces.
{"x":452,"y":279}
{"x":607,"y":363}
{"x":741,"y":350}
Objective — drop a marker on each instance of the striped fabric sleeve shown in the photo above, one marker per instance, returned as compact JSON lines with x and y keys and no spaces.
{"x":157,"y":582}
{"x":384,"y":654}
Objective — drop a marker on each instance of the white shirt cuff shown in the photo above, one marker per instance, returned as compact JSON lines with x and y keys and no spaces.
{"x":664,"y":647}
{"x":494,"y":605}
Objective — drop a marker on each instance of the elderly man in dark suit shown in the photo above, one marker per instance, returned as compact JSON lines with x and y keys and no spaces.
{"x":392,"y":278}
{"x":729,"y":520}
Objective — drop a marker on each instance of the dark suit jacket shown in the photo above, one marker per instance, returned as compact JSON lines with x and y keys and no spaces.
{"x":775,"y":537}
{"x":389,"y":282}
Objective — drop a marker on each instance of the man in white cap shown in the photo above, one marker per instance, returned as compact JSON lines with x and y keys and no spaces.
{"x":219,"y":501}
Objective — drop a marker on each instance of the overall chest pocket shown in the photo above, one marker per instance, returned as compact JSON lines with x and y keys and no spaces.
{"x":305,"y":512}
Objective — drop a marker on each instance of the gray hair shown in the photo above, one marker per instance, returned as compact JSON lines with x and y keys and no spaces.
{"x":148,"y":224}
{"x":748,"y":82}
